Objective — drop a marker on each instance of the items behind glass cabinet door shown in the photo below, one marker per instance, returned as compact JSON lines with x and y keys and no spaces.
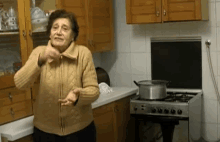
{"x":10,"y":62}
{"x":8,"y":20}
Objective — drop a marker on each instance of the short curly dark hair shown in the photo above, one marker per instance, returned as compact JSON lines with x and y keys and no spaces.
{"x":64,"y":14}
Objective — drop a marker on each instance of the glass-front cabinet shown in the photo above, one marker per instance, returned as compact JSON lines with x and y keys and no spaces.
{"x":12,"y":40}
{"x":22,"y":28}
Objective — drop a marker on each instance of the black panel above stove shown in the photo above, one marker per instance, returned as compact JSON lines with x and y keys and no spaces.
{"x":178,"y":62}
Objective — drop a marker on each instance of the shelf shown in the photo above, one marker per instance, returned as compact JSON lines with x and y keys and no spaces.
{"x":44,"y":31}
{"x":17,"y":32}
{"x":9,"y":32}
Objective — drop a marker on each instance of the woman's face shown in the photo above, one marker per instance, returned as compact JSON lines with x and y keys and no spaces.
{"x":61,"y":34}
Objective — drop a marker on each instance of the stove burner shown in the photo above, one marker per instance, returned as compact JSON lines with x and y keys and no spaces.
{"x":179,"y":97}
{"x":174,"y":97}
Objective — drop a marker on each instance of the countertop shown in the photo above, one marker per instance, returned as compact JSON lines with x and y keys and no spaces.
{"x":24,"y":127}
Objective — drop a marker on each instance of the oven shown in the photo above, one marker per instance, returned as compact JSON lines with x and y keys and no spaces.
{"x":178,"y":60}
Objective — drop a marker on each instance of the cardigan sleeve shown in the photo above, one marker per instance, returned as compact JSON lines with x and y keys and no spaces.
{"x":25,"y":77}
{"x":90,"y":90}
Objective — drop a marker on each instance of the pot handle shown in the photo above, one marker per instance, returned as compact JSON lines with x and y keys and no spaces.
{"x":136,"y":83}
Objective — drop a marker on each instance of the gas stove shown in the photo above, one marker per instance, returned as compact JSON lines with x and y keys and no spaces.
{"x":177,"y":104}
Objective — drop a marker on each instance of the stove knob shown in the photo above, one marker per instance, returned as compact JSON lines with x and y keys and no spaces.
{"x":179,"y":111}
{"x":173,"y":111}
{"x":153,"y":110}
{"x":166,"y":111}
{"x":160,"y":110}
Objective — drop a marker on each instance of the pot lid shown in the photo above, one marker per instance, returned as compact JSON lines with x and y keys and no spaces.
{"x":152,"y":82}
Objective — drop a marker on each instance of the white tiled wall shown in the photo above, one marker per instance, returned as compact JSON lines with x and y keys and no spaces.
{"x":97,"y":59}
{"x":131,"y":59}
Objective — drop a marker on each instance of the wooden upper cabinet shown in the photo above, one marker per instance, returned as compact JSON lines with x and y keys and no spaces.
{"x":79,"y":9}
{"x":185,"y":10}
{"x":101,"y":25}
{"x":159,"y":11}
{"x":95,"y":19}
{"x":143,"y":11}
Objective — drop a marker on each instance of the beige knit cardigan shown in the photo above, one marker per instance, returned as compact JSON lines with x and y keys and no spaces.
{"x":75,"y":69}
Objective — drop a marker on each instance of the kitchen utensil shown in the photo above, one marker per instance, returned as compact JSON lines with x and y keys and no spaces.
{"x":152,"y":89}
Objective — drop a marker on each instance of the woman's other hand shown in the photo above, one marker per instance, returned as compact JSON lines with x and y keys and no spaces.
{"x":71,"y":98}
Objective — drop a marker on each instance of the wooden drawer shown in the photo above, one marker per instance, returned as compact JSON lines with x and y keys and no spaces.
{"x":103,"y":109}
{"x":13,"y":95}
{"x":15,"y":111}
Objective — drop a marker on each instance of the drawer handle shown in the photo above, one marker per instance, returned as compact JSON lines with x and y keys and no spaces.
{"x":10,"y":96}
{"x":12,"y":112}
{"x":158,"y":13}
{"x":164,"y":12}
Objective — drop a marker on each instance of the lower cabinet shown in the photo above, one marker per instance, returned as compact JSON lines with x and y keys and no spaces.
{"x":14,"y":104}
{"x":112,"y":123}
{"x":112,"y":120}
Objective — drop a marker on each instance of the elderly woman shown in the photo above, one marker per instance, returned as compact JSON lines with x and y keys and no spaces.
{"x":68,"y":84}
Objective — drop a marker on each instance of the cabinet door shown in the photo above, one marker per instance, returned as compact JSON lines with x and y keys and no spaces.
{"x":78,"y":7}
{"x":104,"y":121}
{"x":143,"y":11}
{"x":101,"y":25}
{"x":122,"y":117}
{"x":182,"y":10}
{"x":13,"y":48}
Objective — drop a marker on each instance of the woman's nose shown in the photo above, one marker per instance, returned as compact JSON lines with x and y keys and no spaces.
{"x":59,"y":31}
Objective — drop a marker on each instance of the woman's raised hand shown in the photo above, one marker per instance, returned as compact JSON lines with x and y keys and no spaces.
{"x":50,"y":54}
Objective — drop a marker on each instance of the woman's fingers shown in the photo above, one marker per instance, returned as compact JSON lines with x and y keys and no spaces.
{"x":68,"y":103}
{"x":62,"y":100}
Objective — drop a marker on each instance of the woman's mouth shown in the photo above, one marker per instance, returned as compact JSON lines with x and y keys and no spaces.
{"x":59,"y":39}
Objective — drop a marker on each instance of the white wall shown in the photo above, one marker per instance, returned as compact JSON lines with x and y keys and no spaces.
{"x":131,"y":58}
{"x":97,"y":59}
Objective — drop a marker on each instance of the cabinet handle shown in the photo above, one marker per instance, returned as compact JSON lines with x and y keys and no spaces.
{"x":158,"y":13}
{"x":24,"y":34}
{"x":30,"y":33}
{"x":164,"y":12}
{"x":12,"y":112}
{"x":90,"y":43}
{"x":93,"y":44}
{"x":116,"y":109}
{"x":10,"y":96}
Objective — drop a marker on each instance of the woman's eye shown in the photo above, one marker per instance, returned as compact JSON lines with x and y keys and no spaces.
{"x":55,"y":27}
{"x":65,"y":29}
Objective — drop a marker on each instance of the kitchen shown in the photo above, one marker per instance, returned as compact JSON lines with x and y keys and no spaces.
{"x":131,"y":59}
